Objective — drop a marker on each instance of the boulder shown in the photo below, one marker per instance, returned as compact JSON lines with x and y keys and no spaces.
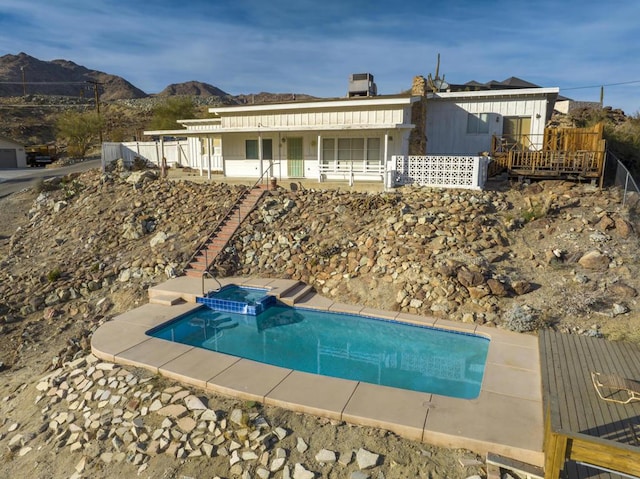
{"x":470,"y":278}
{"x":605,"y":223}
{"x":623,"y":228}
{"x":497,"y":288}
{"x":594,"y":260}
{"x":521,"y":287}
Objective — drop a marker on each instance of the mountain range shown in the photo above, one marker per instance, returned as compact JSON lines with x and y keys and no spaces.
{"x":23,"y":74}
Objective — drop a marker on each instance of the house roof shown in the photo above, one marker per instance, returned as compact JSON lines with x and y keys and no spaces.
{"x":511,"y":82}
{"x":213,"y":125}
{"x":217,"y":129}
{"x":325,"y":103}
{"x":486,"y":94}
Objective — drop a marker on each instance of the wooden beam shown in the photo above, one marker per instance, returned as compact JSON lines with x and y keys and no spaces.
{"x":605,"y":455}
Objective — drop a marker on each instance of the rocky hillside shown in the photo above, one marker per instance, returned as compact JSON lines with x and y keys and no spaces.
{"x":193,"y":88}
{"x":87,"y":247}
{"x":60,"y":77}
{"x":551,"y":254}
{"x":53,"y":87}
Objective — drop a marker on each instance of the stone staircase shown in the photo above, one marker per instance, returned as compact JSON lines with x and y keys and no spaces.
{"x":224,"y":231}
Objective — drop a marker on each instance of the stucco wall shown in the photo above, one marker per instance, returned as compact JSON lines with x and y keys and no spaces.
{"x":20,"y":154}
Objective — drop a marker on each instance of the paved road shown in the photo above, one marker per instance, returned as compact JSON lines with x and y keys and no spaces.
{"x":16,"y":179}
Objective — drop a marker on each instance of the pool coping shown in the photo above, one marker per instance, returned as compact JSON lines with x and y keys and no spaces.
{"x":505,"y":419}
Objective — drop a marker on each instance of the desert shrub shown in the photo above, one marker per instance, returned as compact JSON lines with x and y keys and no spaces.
{"x":166,"y":115}
{"x":79,"y":130}
{"x":46,"y":185}
{"x":54,"y":275}
{"x":522,"y":319}
{"x":71,"y":186}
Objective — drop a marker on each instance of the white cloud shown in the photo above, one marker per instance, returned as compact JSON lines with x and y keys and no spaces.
{"x":311,"y":47}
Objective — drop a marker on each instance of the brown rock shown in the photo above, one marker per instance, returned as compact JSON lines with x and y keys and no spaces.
{"x":480,"y":291}
{"x":469,"y":278}
{"x":622,"y":290}
{"x":623,"y":228}
{"x":605,"y":223}
{"x":594,"y":260}
{"x":132,"y":404}
{"x":497,"y":288}
{"x":521,"y":287}
{"x":187,"y":424}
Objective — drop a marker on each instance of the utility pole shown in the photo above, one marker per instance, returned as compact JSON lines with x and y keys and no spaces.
{"x":96,"y":94}
{"x":24,"y":84}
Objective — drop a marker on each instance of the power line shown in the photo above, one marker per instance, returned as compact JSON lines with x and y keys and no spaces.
{"x":598,"y":86}
{"x":44,"y":82}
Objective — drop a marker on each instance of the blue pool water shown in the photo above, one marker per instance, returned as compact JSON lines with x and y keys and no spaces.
{"x":238,"y":299}
{"x":341,"y":345}
{"x":244,"y":294}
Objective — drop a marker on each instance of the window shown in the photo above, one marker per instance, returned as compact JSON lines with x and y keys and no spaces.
{"x":373,"y":150}
{"x":350,"y":149}
{"x":477,"y":123}
{"x":329,"y":150}
{"x":251,"y":149}
{"x":356,"y":152}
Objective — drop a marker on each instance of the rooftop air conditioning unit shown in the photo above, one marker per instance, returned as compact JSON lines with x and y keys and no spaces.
{"x":361,"y":84}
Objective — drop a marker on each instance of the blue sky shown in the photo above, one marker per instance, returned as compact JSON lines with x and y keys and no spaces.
{"x":305,"y":46}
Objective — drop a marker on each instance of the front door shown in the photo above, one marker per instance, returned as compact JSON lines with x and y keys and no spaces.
{"x":295,"y":158}
{"x":517,"y":130}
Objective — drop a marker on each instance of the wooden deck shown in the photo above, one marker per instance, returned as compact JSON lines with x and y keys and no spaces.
{"x":579,"y":426}
{"x":560,"y":153}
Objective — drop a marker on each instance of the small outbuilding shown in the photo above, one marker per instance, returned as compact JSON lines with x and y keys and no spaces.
{"x":12,"y":154}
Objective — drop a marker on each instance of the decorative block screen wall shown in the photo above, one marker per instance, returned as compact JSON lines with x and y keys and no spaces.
{"x":469,"y":172}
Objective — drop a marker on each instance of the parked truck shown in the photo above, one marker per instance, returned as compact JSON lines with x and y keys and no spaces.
{"x":41,"y":155}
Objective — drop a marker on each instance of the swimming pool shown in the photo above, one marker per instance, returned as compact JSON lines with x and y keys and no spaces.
{"x":340,"y":345}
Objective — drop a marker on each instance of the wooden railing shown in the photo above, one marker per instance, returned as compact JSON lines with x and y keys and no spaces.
{"x":559,"y":152}
{"x":584,"y":163}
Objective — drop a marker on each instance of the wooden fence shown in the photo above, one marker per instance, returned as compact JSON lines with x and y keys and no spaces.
{"x":577,"y":153}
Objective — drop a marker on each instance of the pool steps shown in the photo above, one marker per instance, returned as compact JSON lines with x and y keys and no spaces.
{"x":165,"y":299}
{"x":295,"y":293}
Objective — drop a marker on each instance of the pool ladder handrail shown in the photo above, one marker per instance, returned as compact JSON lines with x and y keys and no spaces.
{"x":205,"y":273}
{"x":227,"y":215}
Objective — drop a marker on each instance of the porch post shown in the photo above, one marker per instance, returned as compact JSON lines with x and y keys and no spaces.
{"x":161,"y":151}
{"x":319,"y":158}
{"x":209,"y":149}
{"x":260,"y":154}
{"x":386,"y":155}
{"x":201,"y":162}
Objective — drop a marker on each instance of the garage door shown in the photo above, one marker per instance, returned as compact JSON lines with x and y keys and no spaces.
{"x":8,"y":158}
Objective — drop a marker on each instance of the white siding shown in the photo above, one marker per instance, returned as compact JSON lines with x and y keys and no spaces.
{"x":369,"y":117}
{"x":447,"y":123}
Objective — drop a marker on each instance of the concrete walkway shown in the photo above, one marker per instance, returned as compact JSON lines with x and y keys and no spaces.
{"x":505,"y":419}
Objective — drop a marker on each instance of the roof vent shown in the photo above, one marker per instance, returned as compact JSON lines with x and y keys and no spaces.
{"x":361,"y":84}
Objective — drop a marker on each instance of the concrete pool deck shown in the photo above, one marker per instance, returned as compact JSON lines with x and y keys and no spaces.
{"x":505,"y":419}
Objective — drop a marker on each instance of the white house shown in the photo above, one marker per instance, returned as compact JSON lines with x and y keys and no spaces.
{"x":345,"y":138}
{"x":464,"y":122}
{"x":366,"y":137}
{"x":12,"y":154}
